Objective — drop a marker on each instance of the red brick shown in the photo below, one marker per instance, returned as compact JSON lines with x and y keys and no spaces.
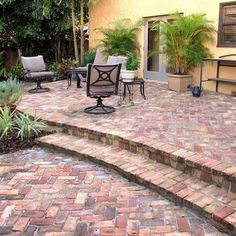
{"x":183,"y":225}
{"x":21,"y":224}
{"x":220,"y":214}
{"x":41,"y":221}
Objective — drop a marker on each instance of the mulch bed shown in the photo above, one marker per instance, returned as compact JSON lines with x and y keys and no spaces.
{"x":12,"y":143}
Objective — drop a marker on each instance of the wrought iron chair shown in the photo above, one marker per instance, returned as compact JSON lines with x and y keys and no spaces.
{"x":102,"y":82}
{"x":35,"y":70}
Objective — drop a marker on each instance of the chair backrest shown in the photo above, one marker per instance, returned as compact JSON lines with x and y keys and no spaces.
{"x":33,"y":64}
{"x":103,"y":79}
{"x":117,"y":60}
{"x":99,"y":57}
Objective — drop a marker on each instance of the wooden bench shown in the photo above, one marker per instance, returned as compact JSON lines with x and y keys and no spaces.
{"x":226,"y":61}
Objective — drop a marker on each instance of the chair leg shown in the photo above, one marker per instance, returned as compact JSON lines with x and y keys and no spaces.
{"x":100,"y":108}
{"x":38,"y":88}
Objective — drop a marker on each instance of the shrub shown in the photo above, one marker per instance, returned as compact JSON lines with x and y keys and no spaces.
{"x":6,"y":121}
{"x":89,"y":57}
{"x":10,"y":92}
{"x":133,"y":62}
{"x":121,"y":38}
{"x":16,"y":71}
{"x":28,"y":127}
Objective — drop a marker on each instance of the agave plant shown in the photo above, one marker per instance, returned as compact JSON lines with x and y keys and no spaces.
{"x":10,"y":92}
{"x":185,"y":38}
{"x":121,"y":38}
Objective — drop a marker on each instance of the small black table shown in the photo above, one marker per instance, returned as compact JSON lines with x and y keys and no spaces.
{"x":80,"y":73}
{"x":130,"y":87}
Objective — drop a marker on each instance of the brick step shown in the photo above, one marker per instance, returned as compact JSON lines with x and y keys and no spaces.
{"x":194,"y":164}
{"x":210,"y":201}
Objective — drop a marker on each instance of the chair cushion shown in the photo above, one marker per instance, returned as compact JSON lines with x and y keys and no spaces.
{"x":42,"y":74}
{"x":33,"y":64}
{"x":117,"y":60}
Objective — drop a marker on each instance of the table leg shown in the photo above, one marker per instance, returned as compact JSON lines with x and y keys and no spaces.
{"x":78,"y":81}
{"x":142,"y":92}
{"x":68,"y":80}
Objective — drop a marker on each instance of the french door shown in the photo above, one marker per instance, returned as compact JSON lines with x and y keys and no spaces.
{"x":154,"y":57}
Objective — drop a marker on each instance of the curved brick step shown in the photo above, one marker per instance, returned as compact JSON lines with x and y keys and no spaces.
{"x":209,"y":201}
{"x":195,"y":164}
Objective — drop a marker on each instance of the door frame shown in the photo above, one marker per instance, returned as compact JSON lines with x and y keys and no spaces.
{"x":161,"y":75}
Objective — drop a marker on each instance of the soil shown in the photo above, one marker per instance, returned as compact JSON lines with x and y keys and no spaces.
{"x":12,"y":143}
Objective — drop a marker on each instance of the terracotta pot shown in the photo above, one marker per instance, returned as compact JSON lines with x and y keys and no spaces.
{"x":179,"y":83}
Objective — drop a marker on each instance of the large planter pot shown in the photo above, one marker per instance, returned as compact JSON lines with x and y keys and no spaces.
{"x":179,"y":83}
{"x":127,"y":75}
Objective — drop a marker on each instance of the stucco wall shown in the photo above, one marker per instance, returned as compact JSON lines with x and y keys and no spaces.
{"x":107,"y":11}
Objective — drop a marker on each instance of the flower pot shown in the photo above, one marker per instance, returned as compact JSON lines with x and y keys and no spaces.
{"x":179,"y":83}
{"x":127,"y":75}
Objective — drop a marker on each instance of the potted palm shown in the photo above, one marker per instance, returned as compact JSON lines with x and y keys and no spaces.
{"x":184,"y":38}
{"x":132,"y":64}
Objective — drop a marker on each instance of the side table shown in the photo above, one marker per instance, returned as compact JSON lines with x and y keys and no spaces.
{"x":80,"y":73}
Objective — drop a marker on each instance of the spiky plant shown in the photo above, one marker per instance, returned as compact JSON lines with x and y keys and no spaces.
{"x":10,"y":92}
{"x":185,"y":38}
{"x":120,"y":38}
{"x":6,"y":121}
{"x":28,"y":127}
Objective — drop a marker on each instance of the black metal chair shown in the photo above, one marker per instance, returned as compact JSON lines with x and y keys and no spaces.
{"x":35,"y":70}
{"x":102,"y":82}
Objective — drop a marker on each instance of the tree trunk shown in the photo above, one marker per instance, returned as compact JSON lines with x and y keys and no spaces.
{"x":82,"y":31}
{"x":74,"y":30}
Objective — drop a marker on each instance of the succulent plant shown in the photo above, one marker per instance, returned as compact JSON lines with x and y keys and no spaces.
{"x":10,"y":92}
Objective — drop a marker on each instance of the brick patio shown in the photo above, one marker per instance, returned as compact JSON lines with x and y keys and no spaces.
{"x":205,"y":125}
{"x":43,"y":193}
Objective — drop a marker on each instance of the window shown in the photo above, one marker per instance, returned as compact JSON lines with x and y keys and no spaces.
{"x":227,"y":25}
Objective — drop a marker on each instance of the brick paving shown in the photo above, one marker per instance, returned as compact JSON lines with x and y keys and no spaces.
{"x":203,"y":125}
{"x":208,"y":200}
{"x":43,"y":193}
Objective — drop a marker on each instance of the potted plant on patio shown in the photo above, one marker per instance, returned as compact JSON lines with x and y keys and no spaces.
{"x":184,"y":38}
{"x":132,"y":64}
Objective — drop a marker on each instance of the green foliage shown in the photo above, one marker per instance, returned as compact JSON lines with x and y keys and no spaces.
{"x":121,"y":38}
{"x":89,"y":57}
{"x":6,"y":121}
{"x":133,"y":62}
{"x":28,"y":127}
{"x":10,"y":91}
{"x":16,"y":71}
{"x":184,"y":38}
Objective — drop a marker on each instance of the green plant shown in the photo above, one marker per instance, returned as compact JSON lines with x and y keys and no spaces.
{"x":121,"y":38}
{"x":184,"y":38}
{"x":16,"y":71}
{"x":133,"y":62}
{"x":10,"y":92}
{"x":28,"y":127}
{"x":6,"y":121}
{"x":89,"y":57}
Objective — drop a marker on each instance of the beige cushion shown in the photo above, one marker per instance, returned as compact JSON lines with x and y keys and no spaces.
{"x":33,"y":64}
{"x":99,"y":58}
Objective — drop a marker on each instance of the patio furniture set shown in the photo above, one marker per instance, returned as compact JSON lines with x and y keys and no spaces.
{"x":102,"y":79}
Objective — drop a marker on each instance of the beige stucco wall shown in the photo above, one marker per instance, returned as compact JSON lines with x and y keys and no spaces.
{"x":107,"y":11}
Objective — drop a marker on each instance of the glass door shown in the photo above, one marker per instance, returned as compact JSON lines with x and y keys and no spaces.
{"x":154,"y":58}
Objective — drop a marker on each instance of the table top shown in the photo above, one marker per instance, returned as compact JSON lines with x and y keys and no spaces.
{"x":135,"y":81}
{"x":79,"y":69}
{"x":220,"y":59}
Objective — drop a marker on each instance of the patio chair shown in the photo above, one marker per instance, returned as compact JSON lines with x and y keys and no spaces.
{"x":35,"y":70}
{"x":102,"y":82}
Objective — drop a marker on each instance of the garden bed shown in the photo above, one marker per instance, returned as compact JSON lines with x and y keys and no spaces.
{"x":11,"y":143}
